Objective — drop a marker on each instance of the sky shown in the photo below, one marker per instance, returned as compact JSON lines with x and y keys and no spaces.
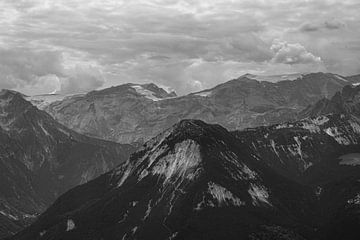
{"x":71,"y":46}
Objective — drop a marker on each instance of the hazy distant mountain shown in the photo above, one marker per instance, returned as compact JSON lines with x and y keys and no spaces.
{"x":41,"y":159}
{"x":354,"y":78}
{"x":345,"y":101}
{"x":131,"y":112}
{"x":44,"y":100}
{"x":198,"y":181}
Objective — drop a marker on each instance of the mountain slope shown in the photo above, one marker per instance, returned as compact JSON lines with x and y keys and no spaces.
{"x":125,"y":114}
{"x":346,"y":101}
{"x":296,"y":180}
{"x":41,"y":159}
{"x":191,"y":182}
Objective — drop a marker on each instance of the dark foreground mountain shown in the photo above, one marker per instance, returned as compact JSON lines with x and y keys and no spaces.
{"x":198,"y":181}
{"x":130,"y":112}
{"x":40,"y":159}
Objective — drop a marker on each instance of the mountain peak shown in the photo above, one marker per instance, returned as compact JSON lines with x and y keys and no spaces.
{"x":171,"y":185}
{"x":272,"y":78}
{"x":148,"y":90}
{"x":196,"y":130}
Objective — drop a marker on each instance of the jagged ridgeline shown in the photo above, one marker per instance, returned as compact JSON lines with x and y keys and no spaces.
{"x":40,"y":159}
{"x":198,"y":181}
{"x":135,"y":113}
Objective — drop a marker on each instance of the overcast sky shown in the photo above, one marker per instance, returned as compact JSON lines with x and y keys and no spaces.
{"x":78,"y":45}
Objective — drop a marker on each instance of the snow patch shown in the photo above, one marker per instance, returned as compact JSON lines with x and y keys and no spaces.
{"x":240,"y":171}
{"x":272,"y":143}
{"x":64,"y":132}
{"x":274,"y":78}
{"x":124,"y":177}
{"x":70,"y":225}
{"x":223,"y":196}
{"x":355,"y":200}
{"x":133,"y":231}
{"x":204,"y":94}
{"x":284,"y":125}
{"x":145,"y":92}
{"x":148,"y":210}
{"x":313,"y":128}
{"x":258,"y":194}
{"x":42,"y":101}
{"x":341,"y":78}
{"x":319,"y":120}
{"x":9,"y":215}
{"x":318,"y":191}
{"x":352,"y":159}
{"x":184,"y":159}
{"x":44,"y":130}
{"x":334,"y":132}
{"x":167,"y":89}
{"x":173,"y":236}
{"x":355,"y":126}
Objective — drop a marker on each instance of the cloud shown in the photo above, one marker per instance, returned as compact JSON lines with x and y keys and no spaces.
{"x":327,"y":25}
{"x":82,"y":45}
{"x":44,"y":71}
{"x":81,"y":79}
{"x":21,"y":67}
{"x":292,"y":53}
{"x":309,"y":27}
{"x":334,"y":24}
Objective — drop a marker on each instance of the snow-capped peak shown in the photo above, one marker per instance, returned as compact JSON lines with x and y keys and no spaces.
{"x":145,"y":92}
{"x":273,"y":78}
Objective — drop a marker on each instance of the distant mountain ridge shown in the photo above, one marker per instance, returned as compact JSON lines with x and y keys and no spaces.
{"x":345,"y":102}
{"x":294,"y":180}
{"x":135,"y":113}
{"x":41,"y":159}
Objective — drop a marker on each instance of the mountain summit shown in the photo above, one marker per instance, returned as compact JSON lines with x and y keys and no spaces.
{"x":193,"y":181}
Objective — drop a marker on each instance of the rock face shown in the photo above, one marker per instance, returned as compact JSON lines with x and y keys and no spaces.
{"x":198,"y":181}
{"x":135,"y":113}
{"x":41,"y":159}
{"x":346,"y":101}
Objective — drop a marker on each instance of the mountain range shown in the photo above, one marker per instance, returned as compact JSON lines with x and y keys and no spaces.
{"x":40,"y":159}
{"x":276,"y":160}
{"x":135,"y":113}
{"x":294,"y":180}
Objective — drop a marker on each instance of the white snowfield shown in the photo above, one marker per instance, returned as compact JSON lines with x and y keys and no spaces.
{"x":204,"y":94}
{"x":146,"y":93}
{"x":274,"y":78}
{"x":223,"y":196}
{"x":42,"y":101}
{"x":259,"y":194}
{"x":351,"y":159}
{"x":70,"y":225}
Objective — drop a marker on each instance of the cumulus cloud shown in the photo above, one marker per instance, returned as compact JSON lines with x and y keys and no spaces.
{"x":21,"y":67}
{"x":45,"y":71}
{"x":80,"y":45}
{"x":81,"y":79}
{"x":292,"y":53}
